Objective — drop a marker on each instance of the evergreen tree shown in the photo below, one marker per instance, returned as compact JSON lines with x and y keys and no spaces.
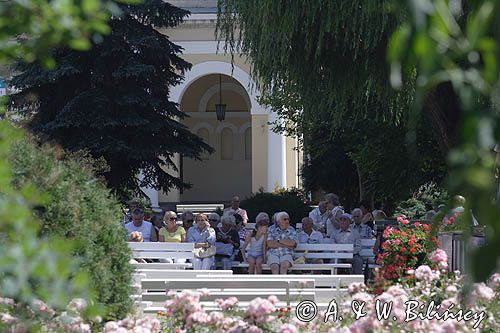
{"x":113,"y":99}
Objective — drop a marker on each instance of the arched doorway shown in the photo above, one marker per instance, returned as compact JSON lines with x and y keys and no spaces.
{"x":228,"y":171}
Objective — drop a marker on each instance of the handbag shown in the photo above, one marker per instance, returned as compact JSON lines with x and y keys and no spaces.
{"x":204,"y":252}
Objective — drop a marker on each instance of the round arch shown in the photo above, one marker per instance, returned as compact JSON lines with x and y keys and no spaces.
{"x":219,"y":67}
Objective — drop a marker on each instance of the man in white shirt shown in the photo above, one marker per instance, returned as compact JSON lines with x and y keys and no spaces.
{"x":319,"y":216}
{"x":308,"y":235}
{"x":363,"y":230}
{"x":345,"y":236}
{"x":138,"y":224}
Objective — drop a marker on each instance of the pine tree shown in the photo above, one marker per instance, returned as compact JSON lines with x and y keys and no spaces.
{"x":113,"y":100}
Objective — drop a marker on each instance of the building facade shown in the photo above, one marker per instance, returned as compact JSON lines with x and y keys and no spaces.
{"x":248,"y":155}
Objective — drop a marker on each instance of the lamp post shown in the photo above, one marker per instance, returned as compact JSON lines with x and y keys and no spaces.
{"x":220,"y":109}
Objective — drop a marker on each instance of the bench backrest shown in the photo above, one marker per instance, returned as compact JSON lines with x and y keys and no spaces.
{"x":199,"y":208}
{"x":367,"y":247}
{"x":331,"y":281}
{"x":325,"y":251}
{"x":224,"y":284}
{"x":174,"y":273}
{"x":161,"y":250}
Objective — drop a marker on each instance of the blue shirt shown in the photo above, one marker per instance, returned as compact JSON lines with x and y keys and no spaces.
{"x":194,"y":235}
{"x":279,"y":234}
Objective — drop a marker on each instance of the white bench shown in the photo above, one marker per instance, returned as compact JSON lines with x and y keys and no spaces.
{"x":154,"y":291}
{"x":199,"y":208}
{"x":160,"y":250}
{"x":366,"y":252}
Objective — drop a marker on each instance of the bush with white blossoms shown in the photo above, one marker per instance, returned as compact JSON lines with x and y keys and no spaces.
{"x":184,"y":312}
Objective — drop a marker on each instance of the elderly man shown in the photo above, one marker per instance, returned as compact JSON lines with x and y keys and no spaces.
{"x":363,"y":230}
{"x":345,"y":236}
{"x":319,"y":216}
{"x":280,"y":243}
{"x":308,"y":235}
{"x":235,"y":206}
{"x":187,"y":220}
{"x":227,"y":241}
{"x":139,"y":225}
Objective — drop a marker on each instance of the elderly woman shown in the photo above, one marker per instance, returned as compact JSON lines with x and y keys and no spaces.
{"x":203,"y":236}
{"x":280,"y":244}
{"x":214,"y":220}
{"x":227,"y":241}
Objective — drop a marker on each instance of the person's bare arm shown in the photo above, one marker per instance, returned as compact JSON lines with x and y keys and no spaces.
{"x":273,"y":244}
{"x":289,"y":243}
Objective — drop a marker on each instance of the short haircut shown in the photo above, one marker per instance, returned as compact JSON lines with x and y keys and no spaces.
{"x":262,"y":216}
{"x":281,"y":215}
{"x":138,"y":211}
{"x":213,"y":216}
{"x":228,"y":219}
{"x":186,"y":214}
{"x":333,"y":198}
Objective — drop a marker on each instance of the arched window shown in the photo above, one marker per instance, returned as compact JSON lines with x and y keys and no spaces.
{"x":248,"y":144}
{"x":204,"y":135}
{"x":226,"y":144}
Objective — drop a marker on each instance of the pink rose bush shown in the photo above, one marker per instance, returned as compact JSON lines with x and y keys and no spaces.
{"x":439,"y":292}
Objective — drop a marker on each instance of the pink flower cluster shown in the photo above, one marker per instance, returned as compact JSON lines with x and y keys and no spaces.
{"x":227,"y":304}
{"x":144,"y":325}
{"x":439,"y":258}
{"x":425,"y":273}
{"x":260,"y":310}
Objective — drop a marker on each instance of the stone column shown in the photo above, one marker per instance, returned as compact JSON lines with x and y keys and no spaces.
{"x":276,"y":162}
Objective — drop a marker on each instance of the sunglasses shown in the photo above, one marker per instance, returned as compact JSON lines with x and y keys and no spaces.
{"x":190,"y":221}
{"x":213,"y":220}
{"x":172,"y":218}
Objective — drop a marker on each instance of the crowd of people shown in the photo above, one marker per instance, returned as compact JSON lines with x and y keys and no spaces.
{"x":221,"y":240}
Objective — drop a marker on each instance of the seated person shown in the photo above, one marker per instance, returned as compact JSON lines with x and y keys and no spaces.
{"x":363,"y":230}
{"x":203,"y":236}
{"x":172,"y":233}
{"x":144,"y":227}
{"x":255,"y":242}
{"x":345,"y":236}
{"x":310,"y":236}
{"x":280,"y":244}
{"x":187,"y":220}
{"x":227,"y":241}
{"x":319,"y":216}
{"x":214,"y":220}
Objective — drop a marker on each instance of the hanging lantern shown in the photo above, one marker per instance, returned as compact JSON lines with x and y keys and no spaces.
{"x":220,"y":109}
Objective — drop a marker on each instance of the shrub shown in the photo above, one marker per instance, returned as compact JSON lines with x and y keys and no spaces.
{"x":291,"y":201}
{"x":414,"y":207}
{"x":79,"y":207}
{"x":31,"y":267}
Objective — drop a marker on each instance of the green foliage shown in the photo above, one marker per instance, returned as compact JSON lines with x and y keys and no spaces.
{"x":414,"y":207}
{"x":112,"y":100}
{"x":32,"y":266}
{"x":446,"y":43}
{"x":291,"y":201}
{"x":79,"y":208}
{"x":350,"y":118}
{"x":49,"y":24}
